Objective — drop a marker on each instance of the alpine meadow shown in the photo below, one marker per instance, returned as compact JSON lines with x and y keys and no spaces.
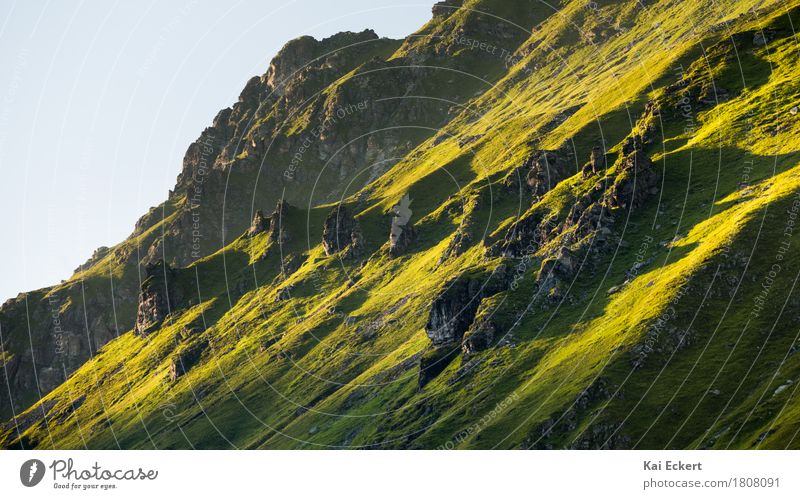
{"x":528,"y":225}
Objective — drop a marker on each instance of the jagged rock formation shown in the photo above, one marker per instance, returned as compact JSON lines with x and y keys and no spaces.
{"x":279,"y":232}
{"x":556,"y":273}
{"x":479,"y":337}
{"x":524,"y":237}
{"x":453,"y":311}
{"x":260,"y":224}
{"x":635,"y":183}
{"x":156,"y":299}
{"x":545,"y":170}
{"x":46,"y":335}
{"x":341,"y":232}
{"x":597,"y":161}
{"x":402,"y":233}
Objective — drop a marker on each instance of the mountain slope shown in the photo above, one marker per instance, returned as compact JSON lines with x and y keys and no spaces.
{"x":519,"y":227}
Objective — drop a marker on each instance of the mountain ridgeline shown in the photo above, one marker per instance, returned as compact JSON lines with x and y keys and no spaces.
{"x":527,"y":225}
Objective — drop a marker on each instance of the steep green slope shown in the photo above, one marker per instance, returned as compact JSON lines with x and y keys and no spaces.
{"x":323,"y":118}
{"x":593,"y":250}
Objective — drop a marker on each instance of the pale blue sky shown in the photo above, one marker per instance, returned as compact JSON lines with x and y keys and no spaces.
{"x":99,"y":100}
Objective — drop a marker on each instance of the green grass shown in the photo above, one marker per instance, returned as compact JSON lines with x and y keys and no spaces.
{"x":335,"y":364}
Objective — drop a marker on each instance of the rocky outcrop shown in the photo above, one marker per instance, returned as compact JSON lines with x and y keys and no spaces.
{"x":538,"y":174}
{"x":156,"y":299}
{"x":480,"y":336}
{"x":597,"y":162}
{"x":545,"y":170}
{"x":636,"y":182}
{"x":98,"y":255}
{"x":453,"y":311}
{"x":259,"y":224}
{"x":460,"y":242}
{"x":291,"y":58}
{"x":524,"y":237}
{"x":464,"y":236}
{"x":589,"y":216}
{"x":279,"y":232}
{"x":402,"y":234}
{"x":556,"y":274}
{"x":342,"y":233}
{"x":452,"y":316}
{"x":47,"y":334}
{"x":557,"y":431}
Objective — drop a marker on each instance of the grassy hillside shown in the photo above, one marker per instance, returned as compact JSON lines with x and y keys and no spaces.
{"x":592,"y":247}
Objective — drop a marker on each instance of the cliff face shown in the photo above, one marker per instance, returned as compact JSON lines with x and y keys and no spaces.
{"x":517,"y":216}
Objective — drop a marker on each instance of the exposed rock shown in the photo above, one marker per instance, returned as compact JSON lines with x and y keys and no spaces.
{"x":453,"y":311}
{"x":479,"y":337}
{"x":402,"y":234}
{"x":524,"y":237}
{"x":288,"y":61}
{"x":462,"y":239}
{"x":545,"y":170}
{"x":597,"y":436}
{"x":47,"y":334}
{"x":278,"y":226}
{"x":589,"y":218}
{"x":597,"y":161}
{"x":635,"y":183}
{"x":460,"y":242}
{"x":260,"y":224}
{"x":632,"y":144}
{"x":155,"y":299}
{"x":283,"y":294}
{"x":291,"y":264}
{"x":342,"y":233}
{"x":557,"y":273}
